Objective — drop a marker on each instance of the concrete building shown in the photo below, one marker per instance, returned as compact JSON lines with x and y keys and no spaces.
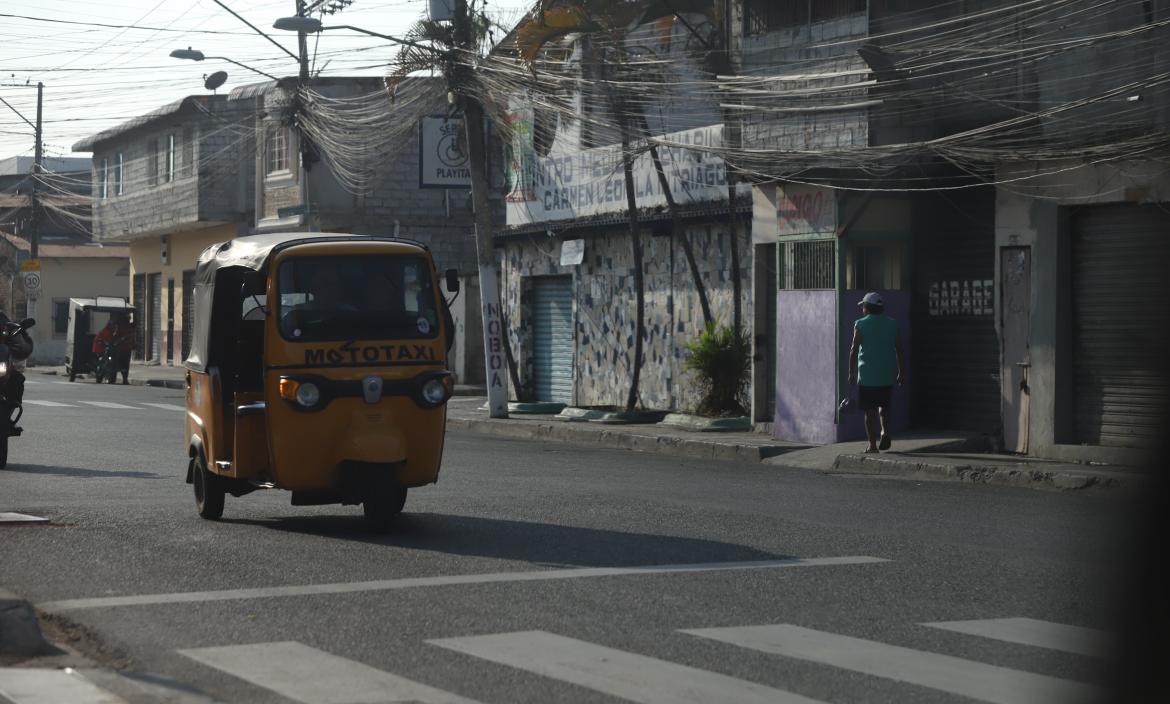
{"x":565,"y":252}
{"x":988,"y":282}
{"x":71,"y":263}
{"x":1080,"y":250}
{"x":75,"y":270}
{"x":168,"y":184}
{"x":391,"y":199}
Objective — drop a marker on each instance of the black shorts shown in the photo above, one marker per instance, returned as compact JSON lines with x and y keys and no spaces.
{"x":871,"y":398}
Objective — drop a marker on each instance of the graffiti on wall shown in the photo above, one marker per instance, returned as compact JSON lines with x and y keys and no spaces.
{"x":965,"y":297}
{"x":803,"y":210}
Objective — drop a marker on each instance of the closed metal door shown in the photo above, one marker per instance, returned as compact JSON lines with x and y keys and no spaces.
{"x":139,"y":316}
{"x":552,"y":331}
{"x":1119,"y":255}
{"x":170,"y":321}
{"x":955,"y":351}
{"x":188,"y":321}
{"x":154,"y":282}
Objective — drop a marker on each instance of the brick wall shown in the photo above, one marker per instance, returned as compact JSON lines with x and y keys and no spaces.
{"x":795,"y":52}
{"x":211,"y":181}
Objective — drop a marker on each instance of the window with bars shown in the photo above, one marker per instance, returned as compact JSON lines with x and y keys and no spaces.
{"x":763,"y":16}
{"x":808,"y":265}
{"x":170,"y":168}
{"x":276,"y":151}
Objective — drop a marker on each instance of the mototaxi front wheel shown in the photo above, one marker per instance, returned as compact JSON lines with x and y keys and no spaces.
{"x":382,"y":503}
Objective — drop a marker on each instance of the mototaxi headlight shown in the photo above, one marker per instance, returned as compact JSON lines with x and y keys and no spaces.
{"x":308,"y":395}
{"x":3,"y":369}
{"x":433,"y":392}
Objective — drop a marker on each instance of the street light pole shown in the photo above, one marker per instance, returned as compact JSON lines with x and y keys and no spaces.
{"x":489,"y":292}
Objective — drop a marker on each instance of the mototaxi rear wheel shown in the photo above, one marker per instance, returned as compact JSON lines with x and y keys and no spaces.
{"x":209,"y":491}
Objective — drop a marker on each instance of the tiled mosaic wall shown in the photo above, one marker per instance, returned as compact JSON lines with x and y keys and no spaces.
{"x":604,"y":307}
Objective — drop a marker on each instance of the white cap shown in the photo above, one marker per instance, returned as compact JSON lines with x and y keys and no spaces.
{"x":873,"y":298}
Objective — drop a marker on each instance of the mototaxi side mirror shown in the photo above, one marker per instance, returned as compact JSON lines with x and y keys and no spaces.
{"x":452,"y":280}
{"x":27,"y":323}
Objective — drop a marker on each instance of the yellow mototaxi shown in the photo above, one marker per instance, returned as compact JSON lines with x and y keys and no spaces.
{"x":318,"y":365}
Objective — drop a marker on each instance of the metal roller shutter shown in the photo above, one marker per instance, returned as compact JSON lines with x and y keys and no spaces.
{"x":1119,"y":255}
{"x":954,"y":363}
{"x":155,"y":282}
{"x":553,"y":338}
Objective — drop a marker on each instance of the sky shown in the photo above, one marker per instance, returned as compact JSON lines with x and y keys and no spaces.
{"x":98,"y":76}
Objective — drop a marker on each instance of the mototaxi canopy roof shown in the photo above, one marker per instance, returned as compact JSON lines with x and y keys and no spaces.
{"x":252,"y":252}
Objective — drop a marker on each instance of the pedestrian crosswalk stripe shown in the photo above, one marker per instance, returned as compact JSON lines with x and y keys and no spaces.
{"x":1028,"y":631}
{"x":21,"y":685}
{"x":449,"y":580}
{"x":51,"y":404}
{"x":111,"y":404}
{"x":979,"y":681}
{"x":630,"y":676}
{"x":312,"y":676}
{"x":166,"y":406}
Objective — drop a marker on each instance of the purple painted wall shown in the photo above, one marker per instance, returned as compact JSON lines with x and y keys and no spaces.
{"x":806,"y":366}
{"x":852,"y":426}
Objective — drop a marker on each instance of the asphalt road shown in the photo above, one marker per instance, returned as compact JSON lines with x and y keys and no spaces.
{"x":556,"y":575}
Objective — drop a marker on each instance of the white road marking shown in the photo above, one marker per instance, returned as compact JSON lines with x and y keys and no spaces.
{"x":63,"y":383}
{"x":1028,"y":631}
{"x":50,"y":404}
{"x":443,"y":581}
{"x":111,"y":404}
{"x":630,"y":676}
{"x":312,"y":676}
{"x":9,"y":517}
{"x":979,"y":681}
{"x":22,"y":685}
{"x":166,"y":406}
{"x":29,"y":381}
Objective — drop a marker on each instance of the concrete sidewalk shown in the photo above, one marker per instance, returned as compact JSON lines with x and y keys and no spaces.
{"x":140,"y":375}
{"x":924,"y":456}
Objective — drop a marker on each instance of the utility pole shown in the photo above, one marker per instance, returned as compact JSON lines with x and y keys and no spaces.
{"x":302,"y":138}
{"x":489,"y":292}
{"x":38,"y":159}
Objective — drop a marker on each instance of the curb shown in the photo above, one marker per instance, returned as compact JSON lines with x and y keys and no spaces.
{"x":575,"y":434}
{"x":1020,"y":475}
{"x":20,"y":633}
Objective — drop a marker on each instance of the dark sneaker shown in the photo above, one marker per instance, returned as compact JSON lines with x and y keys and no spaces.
{"x":885,"y":443}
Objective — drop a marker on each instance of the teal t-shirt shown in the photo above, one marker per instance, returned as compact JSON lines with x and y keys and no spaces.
{"x":877,"y":363}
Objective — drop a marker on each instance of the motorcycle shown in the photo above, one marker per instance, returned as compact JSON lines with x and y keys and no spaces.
{"x":15,"y":347}
{"x":106,"y":364}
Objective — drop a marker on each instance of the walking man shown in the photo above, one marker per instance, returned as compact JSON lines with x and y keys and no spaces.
{"x":875,"y":363}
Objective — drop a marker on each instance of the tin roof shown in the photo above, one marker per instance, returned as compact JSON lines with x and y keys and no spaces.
{"x":87,"y":144}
